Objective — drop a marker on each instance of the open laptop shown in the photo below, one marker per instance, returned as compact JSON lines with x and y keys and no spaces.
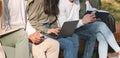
{"x":66,"y":31}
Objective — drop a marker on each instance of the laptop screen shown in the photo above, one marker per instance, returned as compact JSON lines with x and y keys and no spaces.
{"x":68,"y":28}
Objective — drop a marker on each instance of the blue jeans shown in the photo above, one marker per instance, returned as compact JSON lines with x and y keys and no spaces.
{"x":69,"y":45}
{"x":85,"y":34}
{"x":104,"y":37}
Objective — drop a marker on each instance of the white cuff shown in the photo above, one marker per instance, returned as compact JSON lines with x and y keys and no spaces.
{"x":89,"y":7}
{"x":80,"y":23}
{"x":29,"y":29}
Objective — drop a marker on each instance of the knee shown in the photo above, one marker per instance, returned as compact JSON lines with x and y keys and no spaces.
{"x":101,"y":24}
{"x":56,"y":43}
{"x":75,"y":41}
{"x":91,"y":38}
{"x":69,"y":46}
{"x":65,"y":43}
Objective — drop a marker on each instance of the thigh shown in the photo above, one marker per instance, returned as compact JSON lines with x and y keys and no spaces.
{"x":74,"y":39}
{"x":95,"y":26}
{"x":47,"y":43}
{"x":45,"y":46}
{"x":12,"y":38}
{"x":84,"y":32}
{"x":65,"y":43}
{"x":89,"y":29}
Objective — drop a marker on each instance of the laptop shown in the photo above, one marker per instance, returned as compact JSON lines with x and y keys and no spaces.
{"x":66,"y":31}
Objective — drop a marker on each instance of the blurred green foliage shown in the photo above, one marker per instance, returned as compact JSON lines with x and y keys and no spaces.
{"x":113,"y":6}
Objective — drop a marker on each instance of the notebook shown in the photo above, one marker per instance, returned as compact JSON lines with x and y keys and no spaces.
{"x":66,"y":31}
{"x":14,"y":28}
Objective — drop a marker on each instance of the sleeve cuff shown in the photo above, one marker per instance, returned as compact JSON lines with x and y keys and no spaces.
{"x":80,"y":23}
{"x":29,"y":29}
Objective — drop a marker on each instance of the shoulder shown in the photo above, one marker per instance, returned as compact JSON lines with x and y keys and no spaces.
{"x":35,"y":1}
{"x":63,"y":4}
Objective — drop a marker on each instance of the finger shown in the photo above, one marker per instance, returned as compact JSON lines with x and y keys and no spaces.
{"x":98,"y":19}
{"x":39,"y":40}
{"x":38,"y":36}
{"x":33,"y":41}
{"x":41,"y":34}
{"x":42,"y":37}
{"x":93,"y":19}
{"x":92,"y":15}
{"x":56,"y":33}
{"x":58,"y":28}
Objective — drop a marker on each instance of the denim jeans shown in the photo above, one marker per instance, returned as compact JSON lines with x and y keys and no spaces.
{"x":104,"y":37}
{"x":69,"y":45}
{"x":85,"y":34}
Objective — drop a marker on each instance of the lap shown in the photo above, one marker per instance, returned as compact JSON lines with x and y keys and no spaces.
{"x":69,"y":41}
{"x":12,"y":38}
{"x":89,"y":29}
{"x":47,"y":43}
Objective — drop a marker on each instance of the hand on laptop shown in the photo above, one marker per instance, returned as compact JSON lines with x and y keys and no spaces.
{"x":53,"y":31}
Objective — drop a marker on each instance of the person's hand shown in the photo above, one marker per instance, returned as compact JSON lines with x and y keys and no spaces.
{"x":36,"y":38}
{"x":54,"y":31}
{"x":89,"y":18}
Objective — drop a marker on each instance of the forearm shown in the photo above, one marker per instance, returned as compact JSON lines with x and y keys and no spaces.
{"x":38,"y":26}
{"x":29,"y":29}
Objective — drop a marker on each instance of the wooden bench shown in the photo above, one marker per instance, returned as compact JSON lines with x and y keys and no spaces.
{"x":117,"y":33}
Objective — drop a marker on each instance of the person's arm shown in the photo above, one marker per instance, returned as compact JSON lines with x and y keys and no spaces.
{"x":29,"y":1}
{"x":62,"y":14}
{"x":37,"y":17}
{"x":88,"y":6}
{"x":29,"y":29}
{"x":74,"y":14}
{"x":33,"y":35}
